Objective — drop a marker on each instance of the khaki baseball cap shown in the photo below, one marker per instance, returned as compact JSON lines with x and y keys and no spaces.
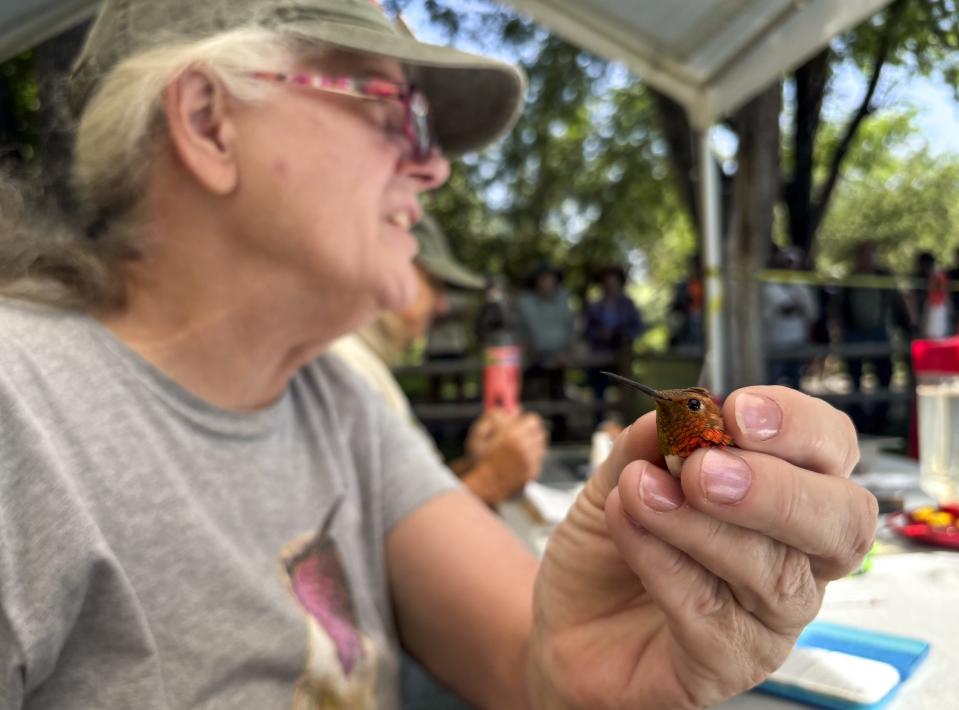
{"x":436,"y":258}
{"x":473,"y":99}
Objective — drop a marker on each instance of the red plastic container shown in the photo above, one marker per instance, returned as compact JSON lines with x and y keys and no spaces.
{"x":932,"y":361}
{"x":501,"y":378}
{"x":936,"y":358}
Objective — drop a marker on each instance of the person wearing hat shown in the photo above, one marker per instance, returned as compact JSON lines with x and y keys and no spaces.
{"x":548,"y":333}
{"x":503,"y":451}
{"x":612,"y":324}
{"x":548,"y":322}
{"x":199,"y":508}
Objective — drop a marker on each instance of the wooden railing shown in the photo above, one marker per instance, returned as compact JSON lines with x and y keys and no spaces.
{"x":472,"y":367}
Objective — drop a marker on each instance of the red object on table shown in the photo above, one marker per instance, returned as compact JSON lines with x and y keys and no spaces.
{"x":931,"y":359}
{"x":934,"y":357}
{"x":908,"y":527}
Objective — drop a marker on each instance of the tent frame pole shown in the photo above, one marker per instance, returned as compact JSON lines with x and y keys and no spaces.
{"x":710,"y":209}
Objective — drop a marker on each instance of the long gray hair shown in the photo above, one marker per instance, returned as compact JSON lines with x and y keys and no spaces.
{"x":78,"y":262}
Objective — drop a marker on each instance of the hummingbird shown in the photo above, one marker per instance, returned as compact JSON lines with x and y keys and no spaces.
{"x":686,"y":419}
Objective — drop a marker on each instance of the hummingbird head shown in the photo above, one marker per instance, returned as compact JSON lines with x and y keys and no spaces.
{"x":686,"y":418}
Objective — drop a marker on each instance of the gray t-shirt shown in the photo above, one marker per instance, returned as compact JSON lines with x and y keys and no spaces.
{"x":159,"y":552}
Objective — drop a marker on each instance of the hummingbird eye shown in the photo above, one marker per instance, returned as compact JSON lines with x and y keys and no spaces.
{"x":694,"y":405}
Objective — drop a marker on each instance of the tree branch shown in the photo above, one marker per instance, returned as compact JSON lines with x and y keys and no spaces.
{"x":864,"y":110}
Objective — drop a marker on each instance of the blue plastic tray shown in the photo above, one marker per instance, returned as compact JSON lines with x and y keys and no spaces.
{"x":900,"y":651}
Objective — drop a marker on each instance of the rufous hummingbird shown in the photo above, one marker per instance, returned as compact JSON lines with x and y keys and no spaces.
{"x":686,"y":419}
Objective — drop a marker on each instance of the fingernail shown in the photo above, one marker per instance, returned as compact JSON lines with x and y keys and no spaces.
{"x":726,"y":477}
{"x":759,"y":417}
{"x":660,"y":493}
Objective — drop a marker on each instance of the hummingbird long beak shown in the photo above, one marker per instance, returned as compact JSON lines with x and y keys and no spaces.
{"x":648,"y":391}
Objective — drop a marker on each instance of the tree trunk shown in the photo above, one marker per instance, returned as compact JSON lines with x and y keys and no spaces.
{"x":679,"y":135}
{"x":756,"y":189}
{"x":684,"y":157}
{"x":811,"y":79}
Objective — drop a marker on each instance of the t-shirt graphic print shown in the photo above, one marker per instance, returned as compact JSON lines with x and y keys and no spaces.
{"x":341,"y":666}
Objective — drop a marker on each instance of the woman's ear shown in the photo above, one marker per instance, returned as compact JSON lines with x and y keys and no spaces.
{"x":202,"y":129}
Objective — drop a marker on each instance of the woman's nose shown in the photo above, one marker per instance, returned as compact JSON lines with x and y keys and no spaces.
{"x":428,"y":174}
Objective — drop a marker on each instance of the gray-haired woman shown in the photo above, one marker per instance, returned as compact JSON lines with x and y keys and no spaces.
{"x":198,"y":509}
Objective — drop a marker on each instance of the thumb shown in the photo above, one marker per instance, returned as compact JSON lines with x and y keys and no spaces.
{"x":637,"y":442}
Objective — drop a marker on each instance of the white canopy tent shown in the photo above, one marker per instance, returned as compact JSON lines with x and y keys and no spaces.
{"x":711,"y":56}
{"x":26,"y":23}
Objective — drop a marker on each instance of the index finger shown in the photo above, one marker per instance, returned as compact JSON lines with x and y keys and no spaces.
{"x":806,"y":431}
{"x":637,"y":442}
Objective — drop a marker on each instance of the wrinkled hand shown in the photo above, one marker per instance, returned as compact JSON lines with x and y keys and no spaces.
{"x":660,"y":594}
{"x":512,"y":456}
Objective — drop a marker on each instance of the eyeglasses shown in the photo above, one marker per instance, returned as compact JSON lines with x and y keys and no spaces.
{"x":416,"y":108}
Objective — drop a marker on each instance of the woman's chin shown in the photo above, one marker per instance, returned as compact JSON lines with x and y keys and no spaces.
{"x":401,"y":293}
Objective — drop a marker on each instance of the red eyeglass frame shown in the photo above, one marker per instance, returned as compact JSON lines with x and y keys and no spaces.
{"x":416,"y":119}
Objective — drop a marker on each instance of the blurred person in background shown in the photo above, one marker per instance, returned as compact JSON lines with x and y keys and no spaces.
{"x":930,"y":304}
{"x":448,"y":341}
{"x":548,"y":335}
{"x":497,"y":322}
{"x":686,"y":312}
{"x":502,"y":451}
{"x":612,"y":325}
{"x":547,"y":319}
{"x":788,"y":312}
{"x":198,"y":507}
{"x":867,"y":315}
{"x":447,"y":336}
{"x":953,"y":277}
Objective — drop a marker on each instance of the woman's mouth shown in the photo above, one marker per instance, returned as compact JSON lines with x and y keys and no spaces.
{"x":401,"y":220}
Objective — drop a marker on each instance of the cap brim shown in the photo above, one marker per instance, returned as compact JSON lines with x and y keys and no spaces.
{"x":451,"y":274}
{"x":473,"y":99}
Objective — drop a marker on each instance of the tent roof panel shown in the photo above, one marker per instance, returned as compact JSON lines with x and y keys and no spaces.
{"x":709,"y":55}
{"x":27,"y":23}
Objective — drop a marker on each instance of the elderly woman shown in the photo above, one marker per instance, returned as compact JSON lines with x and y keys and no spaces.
{"x":198,"y":509}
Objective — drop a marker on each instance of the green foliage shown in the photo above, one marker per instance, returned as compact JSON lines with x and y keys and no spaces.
{"x":878,"y":146}
{"x":924,"y":36}
{"x":911,"y":37}
{"x":18,"y":130}
{"x":584,"y":178}
{"x":905,"y":200}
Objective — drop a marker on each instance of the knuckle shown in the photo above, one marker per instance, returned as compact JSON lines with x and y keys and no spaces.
{"x":712,"y":534}
{"x":858,"y":529}
{"x":709,"y":601}
{"x":675,"y":563}
{"x":793,"y":593}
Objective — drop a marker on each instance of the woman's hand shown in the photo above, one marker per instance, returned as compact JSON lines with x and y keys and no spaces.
{"x":657,"y":593}
{"x":512,"y":456}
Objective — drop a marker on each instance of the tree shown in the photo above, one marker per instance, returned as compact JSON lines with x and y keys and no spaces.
{"x":547,"y":181}
{"x":582,"y":180}
{"x":918,"y":35}
{"x":904,"y":200}
{"x":36,"y":132}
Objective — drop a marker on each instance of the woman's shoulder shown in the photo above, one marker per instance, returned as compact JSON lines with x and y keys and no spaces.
{"x":16,"y":310}
{"x":22,"y":316}
{"x":34,"y":331}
